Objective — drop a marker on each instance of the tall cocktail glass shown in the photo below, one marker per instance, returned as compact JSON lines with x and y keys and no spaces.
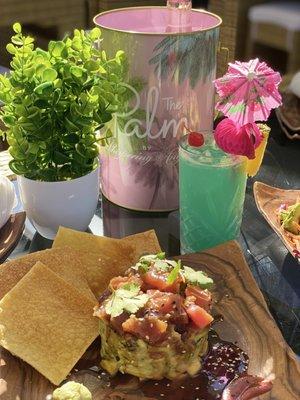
{"x":212,"y":191}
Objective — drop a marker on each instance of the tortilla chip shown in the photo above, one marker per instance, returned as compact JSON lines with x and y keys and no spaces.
{"x":104,"y":257}
{"x":87,"y":242}
{"x":143,"y":243}
{"x":65,"y":262}
{"x":49,"y":335}
{"x":137,"y":245}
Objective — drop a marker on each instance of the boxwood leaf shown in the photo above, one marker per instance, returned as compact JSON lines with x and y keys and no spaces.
{"x":17,"y":27}
{"x":43,"y":88}
{"x":49,"y":75}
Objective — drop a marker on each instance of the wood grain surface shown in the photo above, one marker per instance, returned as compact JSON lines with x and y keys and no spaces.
{"x":268,"y":199}
{"x":10,"y":234}
{"x":246,"y":321}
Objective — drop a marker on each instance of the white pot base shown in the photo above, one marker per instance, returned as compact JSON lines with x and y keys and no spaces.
{"x":50,"y":205}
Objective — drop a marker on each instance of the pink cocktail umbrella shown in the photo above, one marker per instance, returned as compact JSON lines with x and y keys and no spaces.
{"x":248,"y":91}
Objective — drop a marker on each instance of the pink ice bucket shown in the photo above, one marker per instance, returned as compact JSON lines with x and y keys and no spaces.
{"x":170,"y":74}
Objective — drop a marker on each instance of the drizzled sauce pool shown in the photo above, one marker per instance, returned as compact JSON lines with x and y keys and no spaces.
{"x":224,"y":363}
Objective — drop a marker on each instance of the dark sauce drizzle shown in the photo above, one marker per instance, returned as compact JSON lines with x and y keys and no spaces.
{"x":224,"y":362}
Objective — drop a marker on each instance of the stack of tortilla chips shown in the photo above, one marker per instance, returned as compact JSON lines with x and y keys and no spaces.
{"x":47,"y":298}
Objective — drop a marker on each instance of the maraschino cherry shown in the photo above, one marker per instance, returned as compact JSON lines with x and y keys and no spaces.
{"x":195,"y":139}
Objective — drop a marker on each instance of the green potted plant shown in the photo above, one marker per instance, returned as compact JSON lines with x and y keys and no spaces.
{"x":55,"y":102}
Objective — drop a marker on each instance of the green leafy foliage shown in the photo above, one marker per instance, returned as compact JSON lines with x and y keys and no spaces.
{"x":145,"y":262}
{"x":159,"y":263}
{"x":56,"y":100}
{"x":126,"y":298}
{"x":173,"y":275}
{"x":197,"y":278}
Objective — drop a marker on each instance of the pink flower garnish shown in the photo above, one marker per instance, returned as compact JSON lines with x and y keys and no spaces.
{"x":238,"y":140}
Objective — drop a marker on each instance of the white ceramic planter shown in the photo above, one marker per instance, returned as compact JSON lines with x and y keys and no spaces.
{"x":8,"y":199}
{"x":52,"y":204}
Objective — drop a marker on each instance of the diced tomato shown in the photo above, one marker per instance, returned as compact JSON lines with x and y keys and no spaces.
{"x":203,"y":297}
{"x":150,"y":328}
{"x":168,"y":306}
{"x":120,"y":281}
{"x":162,"y":302}
{"x":199,"y":316}
{"x":158,"y":281}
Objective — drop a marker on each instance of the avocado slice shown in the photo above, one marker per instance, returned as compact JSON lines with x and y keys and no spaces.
{"x":173,"y":359}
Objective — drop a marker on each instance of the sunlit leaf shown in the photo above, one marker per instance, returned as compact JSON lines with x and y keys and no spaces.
{"x":76,"y":71}
{"x":43,"y":88}
{"x":56,"y":48}
{"x":11,"y":48}
{"x":17,"y":27}
{"x":49,"y":74}
{"x":95,"y":33}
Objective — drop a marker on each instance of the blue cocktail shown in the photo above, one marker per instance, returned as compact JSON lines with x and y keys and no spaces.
{"x":212,"y":191}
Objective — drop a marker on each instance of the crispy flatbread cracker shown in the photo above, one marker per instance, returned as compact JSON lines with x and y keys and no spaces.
{"x":105,"y":257}
{"x":87,"y":242}
{"x":138,"y":244}
{"x":49,"y":335}
{"x":143,"y":243}
{"x":65,"y":262}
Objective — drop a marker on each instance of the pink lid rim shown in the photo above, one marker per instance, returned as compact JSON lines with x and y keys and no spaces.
{"x":156,"y":33}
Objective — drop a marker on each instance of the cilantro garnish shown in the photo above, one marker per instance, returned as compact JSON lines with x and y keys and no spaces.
{"x":145,"y":261}
{"x":126,"y":298}
{"x":161,"y":256}
{"x":143,"y":267}
{"x":174,"y":273}
{"x":161,"y":265}
{"x":197,"y":278}
{"x":164,"y":265}
{"x":153,"y":257}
